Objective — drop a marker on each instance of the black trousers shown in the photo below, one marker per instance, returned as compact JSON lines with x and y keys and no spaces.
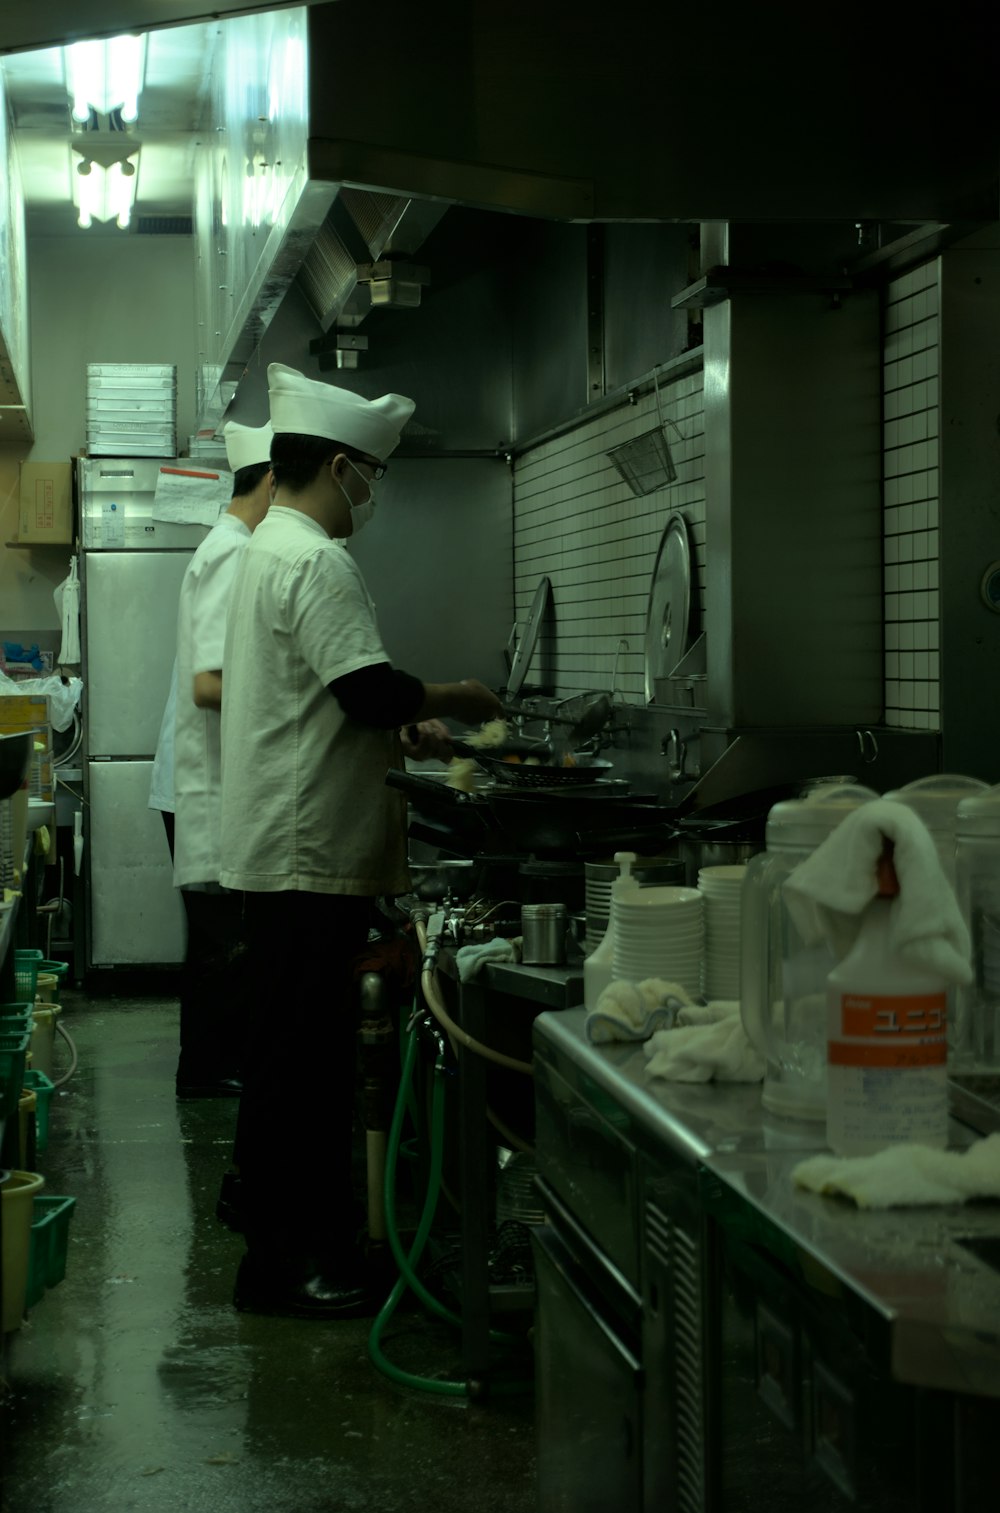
{"x":215,"y":984}
{"x":294,"y":1132}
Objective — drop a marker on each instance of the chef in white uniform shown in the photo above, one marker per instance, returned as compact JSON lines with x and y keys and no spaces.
{"x":311,"y":723}
{"x":214,"y":984}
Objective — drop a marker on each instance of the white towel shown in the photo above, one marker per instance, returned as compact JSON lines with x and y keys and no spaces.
{"x":634,"y":1010}
{"x":471,"y":960}
{"x":708,"y":1043}
{"x":827,"y":894}
{"x":906,"y":1176}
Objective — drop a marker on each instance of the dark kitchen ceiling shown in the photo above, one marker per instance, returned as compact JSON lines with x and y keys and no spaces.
{"x":49,"y":23}
{"x":663,"y":113}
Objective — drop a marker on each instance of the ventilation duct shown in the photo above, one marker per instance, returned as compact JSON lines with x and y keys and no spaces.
{"x":361,"y":256}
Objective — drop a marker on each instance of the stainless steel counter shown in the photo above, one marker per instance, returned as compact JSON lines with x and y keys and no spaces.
{"x":555,"y":987}
{"x":933,"y":1303}
{"x":693,"y":1119}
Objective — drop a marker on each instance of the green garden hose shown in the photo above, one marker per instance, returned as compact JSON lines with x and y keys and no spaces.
{"x":407,"y":1263}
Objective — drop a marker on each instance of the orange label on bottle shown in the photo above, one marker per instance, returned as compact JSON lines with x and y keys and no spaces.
{"x":871,"y":1018}
{"x":900,"y":1054}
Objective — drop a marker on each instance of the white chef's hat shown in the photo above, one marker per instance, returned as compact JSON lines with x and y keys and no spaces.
{"x":310,"y":408}
{"x":246,"y":445}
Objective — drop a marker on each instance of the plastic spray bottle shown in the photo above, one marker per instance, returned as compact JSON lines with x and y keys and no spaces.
{"x":597,"y":969}
{"x":887,"y":1040}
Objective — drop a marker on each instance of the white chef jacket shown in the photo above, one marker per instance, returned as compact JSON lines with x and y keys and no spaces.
{"x":161,"y":783}
{"x":304,"y":800}
{"x":201,"y":635}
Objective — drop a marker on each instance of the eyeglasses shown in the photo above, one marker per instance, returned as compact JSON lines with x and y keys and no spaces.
{"x":377,"y":469}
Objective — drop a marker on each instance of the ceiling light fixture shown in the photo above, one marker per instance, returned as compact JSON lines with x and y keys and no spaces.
{"x":104,"y":185}
{"x":106,"y":76}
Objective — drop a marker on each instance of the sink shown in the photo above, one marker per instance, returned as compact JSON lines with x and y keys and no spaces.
{"x":15,"y":756}
{"x":40,"y":813}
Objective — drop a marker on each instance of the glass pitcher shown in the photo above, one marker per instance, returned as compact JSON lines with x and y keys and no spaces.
{"x":975,"y":1046}
{"x":782,"y":979}
{"x":936,"y":800}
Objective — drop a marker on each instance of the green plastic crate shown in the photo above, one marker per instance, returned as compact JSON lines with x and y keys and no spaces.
{"x":13,"y":1050}
{"x":49,"y":1244}
{"x":26,"y":965}
{"x":43,"y":1088}
{"x":15,"y":1016}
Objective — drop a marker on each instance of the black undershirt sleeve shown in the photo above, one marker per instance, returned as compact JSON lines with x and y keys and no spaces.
{"x":379,"y":695}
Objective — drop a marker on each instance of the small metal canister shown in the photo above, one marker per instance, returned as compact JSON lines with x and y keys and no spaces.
{"x":543,"y":930}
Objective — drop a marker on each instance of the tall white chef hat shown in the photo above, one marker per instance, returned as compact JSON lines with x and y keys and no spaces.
{"x":246,"y":445}
{"x":310,"y":408}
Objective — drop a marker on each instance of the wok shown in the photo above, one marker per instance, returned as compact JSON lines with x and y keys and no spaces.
{"x":525,"y":775}
{"x":590,"y":821}
{"x":527,"y":821}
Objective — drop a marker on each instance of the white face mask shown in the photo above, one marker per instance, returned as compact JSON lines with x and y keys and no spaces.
{"x":360,"y":513}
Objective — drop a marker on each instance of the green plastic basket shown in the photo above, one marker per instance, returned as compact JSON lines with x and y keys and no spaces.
{"x":49,"y":1244}
{"x":26,"y":965}
{"x":15,"y":1017}
{"x":13,"y":1050}
{"x":43,"y":1089}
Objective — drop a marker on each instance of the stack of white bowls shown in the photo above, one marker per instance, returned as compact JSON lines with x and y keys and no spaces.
{"x":721,"y":888}
{"x":658,"y":932}
{"x":647,"y":871}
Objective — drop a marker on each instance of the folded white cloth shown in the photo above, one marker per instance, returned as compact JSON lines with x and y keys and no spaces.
{"x":708,"y":1043}
{"x":471,"y":960}
{"x":633,"y":1010}
{"x":906,"y":1176}
{"x":827,"y":894}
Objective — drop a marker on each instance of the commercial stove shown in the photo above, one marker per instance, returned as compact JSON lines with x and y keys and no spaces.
{"x":712,"y":1340}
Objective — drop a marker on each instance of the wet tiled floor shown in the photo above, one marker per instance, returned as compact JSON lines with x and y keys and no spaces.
{"x":134,"y":1385}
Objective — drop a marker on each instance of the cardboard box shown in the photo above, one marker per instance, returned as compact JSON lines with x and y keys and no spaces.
{"x":46,"y":503}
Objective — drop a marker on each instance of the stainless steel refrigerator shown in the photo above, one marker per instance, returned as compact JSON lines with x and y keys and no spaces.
{"x":132,"y":566}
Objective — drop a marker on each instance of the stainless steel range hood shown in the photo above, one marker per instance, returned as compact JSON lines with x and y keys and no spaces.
{"x":664,"y":112}
{"x":360,"y":257}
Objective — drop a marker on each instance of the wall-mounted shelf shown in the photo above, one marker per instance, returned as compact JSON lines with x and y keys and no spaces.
{"x":722,"y":283}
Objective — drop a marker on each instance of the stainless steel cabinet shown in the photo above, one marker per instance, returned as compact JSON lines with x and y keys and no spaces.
{"x":136,"y":915}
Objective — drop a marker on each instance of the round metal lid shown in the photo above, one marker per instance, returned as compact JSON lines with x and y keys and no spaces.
{"x":668,"y":611}
{"x":528,"y":642}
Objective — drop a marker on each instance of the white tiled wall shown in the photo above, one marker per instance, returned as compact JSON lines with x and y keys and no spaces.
{"x":576,"y":521}
{"x":910,"y":445}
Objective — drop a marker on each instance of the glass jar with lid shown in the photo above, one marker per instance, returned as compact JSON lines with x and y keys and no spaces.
{"x":936,"y":800}
{"x":782,"y":979}
{"x":976,"y":1041}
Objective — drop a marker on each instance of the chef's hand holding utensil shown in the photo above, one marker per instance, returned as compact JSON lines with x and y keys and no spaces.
{"x":427,"y":741}
{"x":469,"y":700}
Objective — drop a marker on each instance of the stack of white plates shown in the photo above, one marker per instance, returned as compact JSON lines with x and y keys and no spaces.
{"x":647,"y":871}
{"x":721,"y":888}
{"x":658,"y":932}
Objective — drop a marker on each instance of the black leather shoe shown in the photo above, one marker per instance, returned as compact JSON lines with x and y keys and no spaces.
{"x":319,"y":1297}
{"x":224,"y":1087}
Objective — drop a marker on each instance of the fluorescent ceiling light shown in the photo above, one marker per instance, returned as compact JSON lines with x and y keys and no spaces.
{"x":105,"y":193}
{"x":106,"y":76}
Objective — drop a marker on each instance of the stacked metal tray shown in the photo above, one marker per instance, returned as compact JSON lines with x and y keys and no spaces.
{"x":131,"y":409}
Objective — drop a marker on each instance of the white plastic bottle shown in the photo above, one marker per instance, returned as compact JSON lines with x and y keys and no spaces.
{"x":887,"y":1042}
{"x":597,"y":968}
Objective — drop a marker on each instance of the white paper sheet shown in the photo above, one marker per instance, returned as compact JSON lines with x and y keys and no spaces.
{"x":191,"y":496}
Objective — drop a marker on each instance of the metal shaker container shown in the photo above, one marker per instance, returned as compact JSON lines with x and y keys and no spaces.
{"x":543,"y":931}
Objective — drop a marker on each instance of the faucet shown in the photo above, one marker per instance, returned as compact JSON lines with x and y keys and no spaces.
{"x":675,"y":751}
